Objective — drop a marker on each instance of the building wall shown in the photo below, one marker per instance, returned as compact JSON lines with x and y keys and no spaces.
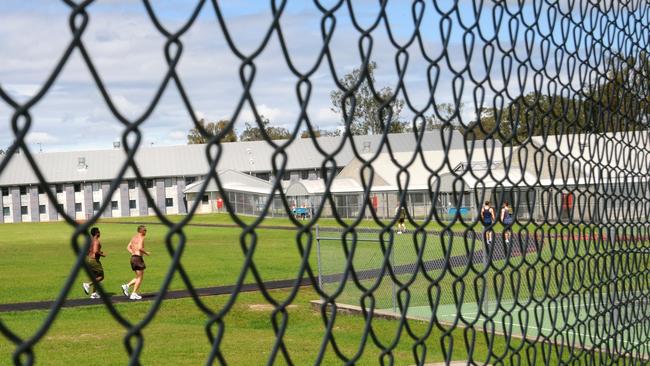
{"x":179,"y":197}
{"x":159,"y":196}
{"x":141,"y":201}
{"x":52,"y":215}
{"x":124,"y":199}
{"x":15,"y":204}
{"x":32,"y":194}
{"x":87,"y":199}
{"x":108,"y":212}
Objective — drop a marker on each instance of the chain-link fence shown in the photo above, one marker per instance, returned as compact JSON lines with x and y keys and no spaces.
{"x":542,"y":104}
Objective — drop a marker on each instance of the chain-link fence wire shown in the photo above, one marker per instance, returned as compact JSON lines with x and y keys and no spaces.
{"x":558,"y":93}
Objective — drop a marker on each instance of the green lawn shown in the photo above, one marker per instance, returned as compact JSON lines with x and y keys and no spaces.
{"x":36,"y":259}
{"x":177,"y":336}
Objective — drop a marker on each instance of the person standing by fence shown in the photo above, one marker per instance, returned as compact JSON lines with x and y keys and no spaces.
{"x":401,"y":212}
{"x":487,"y":218}
{"x":506,"y":219}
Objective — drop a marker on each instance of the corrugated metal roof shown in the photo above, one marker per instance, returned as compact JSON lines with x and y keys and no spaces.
{"x":233,"y":181}
{"x":620,"y":150}
{"x":190,"y":160}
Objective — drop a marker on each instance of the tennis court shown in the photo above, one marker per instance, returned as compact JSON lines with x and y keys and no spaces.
{"x":577,"y":320}
{"x":532,"y":288}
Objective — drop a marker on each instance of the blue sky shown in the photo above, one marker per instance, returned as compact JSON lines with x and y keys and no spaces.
{"x":127,"y":51}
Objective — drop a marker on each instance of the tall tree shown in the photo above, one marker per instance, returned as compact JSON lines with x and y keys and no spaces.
{"x":619,"y":100}
{"x":252,"y":132}
{"x":211,"y":129}
{"x":368,"y":116}
{"x":530,"y":115}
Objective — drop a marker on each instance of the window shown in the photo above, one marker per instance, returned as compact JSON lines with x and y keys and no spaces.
{"x":168,"y":182}
{"x":95,"y":206}
{"x":23,"y":210}
{"x":149,"y":183}
{"x":286,"y":175}
{"x":77,"y":207}
{"x":114,"y":205}
{"x":5,"y":191}
{"x":189,"y":180}
{"x":97,"y":186}
{"x":417,"y":198}
{"x":205,"y":198}
{"x":61,"y":207}
{"x":77,"y":187}
{"x":131,"y":184}
{"x":23,"y":190}
{"x":132,"y":204}
{"x":40,"y":189}
{"x":59,"y":188}
{"x":169,"y":202}
{"x":304,"y":174}
{"x":41,"y":209}
{"x":6,"y":211}
{"x":264,"y":176}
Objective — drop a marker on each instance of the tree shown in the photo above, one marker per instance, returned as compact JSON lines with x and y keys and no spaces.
{"x":618,"y":101}
{"x":317,"y":132}
{"x":530,"y":115}
{"x":446,"y":112}
{"x":252,"y":132}
{"x":195,"y":136}
{"x":373,"y":108}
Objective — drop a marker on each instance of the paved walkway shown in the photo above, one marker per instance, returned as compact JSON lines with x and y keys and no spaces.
{"x":177,"y":294}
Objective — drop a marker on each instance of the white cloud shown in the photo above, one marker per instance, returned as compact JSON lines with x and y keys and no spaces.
{"x":126,"y":107}
{"x":178,"y":135}
{"x":275,"y":115}
{"x":22,"y":91}
{"x":41,"y":137}
{"x":128,"y":53}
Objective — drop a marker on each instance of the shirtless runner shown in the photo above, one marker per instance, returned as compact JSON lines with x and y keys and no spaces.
{"x":136,"y":248}
{"x":93,"y":264}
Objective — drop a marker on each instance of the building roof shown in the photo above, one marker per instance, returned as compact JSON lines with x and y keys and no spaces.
{"x":233,"y":181}
{"x":593,"y":158}
{"x":190,"y":160}
{"x":432,"y":166}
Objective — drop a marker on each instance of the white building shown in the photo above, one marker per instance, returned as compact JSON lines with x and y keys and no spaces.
{"x":564,"y":177}
{"x":82,"y":180}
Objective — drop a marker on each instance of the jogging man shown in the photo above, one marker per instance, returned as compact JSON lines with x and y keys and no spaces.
{"x":136,"y":248}
{"x":488,"y":217}
{"x":93,"y":263}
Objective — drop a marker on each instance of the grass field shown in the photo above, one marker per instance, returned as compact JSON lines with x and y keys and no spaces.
{"x":36,"y":259}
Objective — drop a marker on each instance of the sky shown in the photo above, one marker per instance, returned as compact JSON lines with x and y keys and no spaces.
{"x":128,"y":53}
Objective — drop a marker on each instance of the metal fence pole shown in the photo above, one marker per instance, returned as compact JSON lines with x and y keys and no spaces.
{"x":320,"y":268}
{"x":392,"y":265}
{"x":484,"y":300}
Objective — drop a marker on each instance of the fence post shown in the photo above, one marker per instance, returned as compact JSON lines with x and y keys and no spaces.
{"x":391,"y":260}
{"x":484,"y":301}
{"x":320,"y":276}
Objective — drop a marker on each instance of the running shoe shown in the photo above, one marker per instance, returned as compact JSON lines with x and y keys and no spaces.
{"x":135,"y":296}
{"x":125,"y":289}
{"x":86,"y":287}
{"x":95,"y":296}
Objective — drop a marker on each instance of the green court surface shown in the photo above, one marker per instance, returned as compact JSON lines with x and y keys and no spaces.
{"x":576,"y":320}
